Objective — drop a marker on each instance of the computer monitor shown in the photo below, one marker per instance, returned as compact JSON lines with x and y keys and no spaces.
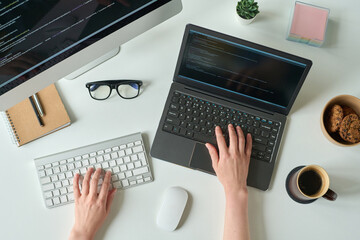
{"x":44,"y":41}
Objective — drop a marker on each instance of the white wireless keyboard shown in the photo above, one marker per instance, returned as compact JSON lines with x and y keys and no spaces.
{"x":125,"y":157}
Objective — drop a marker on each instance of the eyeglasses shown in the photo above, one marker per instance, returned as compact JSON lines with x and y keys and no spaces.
{"x":126,"y":89}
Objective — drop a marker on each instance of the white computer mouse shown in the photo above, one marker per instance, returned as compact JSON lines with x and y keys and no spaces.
{"x":172,"y":208}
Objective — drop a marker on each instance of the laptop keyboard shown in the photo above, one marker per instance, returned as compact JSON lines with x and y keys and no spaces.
{"x":196,"y":119}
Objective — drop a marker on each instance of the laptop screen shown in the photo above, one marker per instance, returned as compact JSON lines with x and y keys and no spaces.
{"x":248,"y":70}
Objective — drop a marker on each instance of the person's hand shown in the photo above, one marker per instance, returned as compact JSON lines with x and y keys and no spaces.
{"x":231,"y":164}
{"x":91,"y":208}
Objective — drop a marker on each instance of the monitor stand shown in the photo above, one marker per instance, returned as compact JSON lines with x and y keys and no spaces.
{"x":93,"y":64}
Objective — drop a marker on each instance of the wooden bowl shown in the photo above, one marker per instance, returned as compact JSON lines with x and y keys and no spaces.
{"x":347,"y":100}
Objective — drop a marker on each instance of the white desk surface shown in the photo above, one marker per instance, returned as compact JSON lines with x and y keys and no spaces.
{"x":152,"y":57}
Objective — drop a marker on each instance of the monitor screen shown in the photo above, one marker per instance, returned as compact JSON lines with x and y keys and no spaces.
{"x":37,"y":34}
{"x":238,"y":68}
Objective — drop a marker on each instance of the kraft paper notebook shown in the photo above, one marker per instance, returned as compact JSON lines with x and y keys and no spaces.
{"x":23,"y":124}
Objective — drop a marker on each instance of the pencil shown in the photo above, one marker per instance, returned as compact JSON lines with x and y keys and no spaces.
{"x":36,"y":112}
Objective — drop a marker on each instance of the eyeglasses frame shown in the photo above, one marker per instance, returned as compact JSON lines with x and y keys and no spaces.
{"x":113,"y":84}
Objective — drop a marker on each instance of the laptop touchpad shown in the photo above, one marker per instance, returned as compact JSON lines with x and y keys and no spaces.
{"x":200,"y":159}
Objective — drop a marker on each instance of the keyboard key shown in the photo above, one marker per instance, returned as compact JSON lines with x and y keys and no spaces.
{"x":130,"y":166}
{"x":48,"y":187}
{"x":56,"y":170}
{"x":58,"y":185}
{"x":63,"y":199}
{"x":260,"y":140}
{"x":71,"y":197}
{"x":54,"y":178}
{"x":259,"y":147}
{"x":56,"y":192}
{"x":41,"y":167}
{"x":127,"y":159}
{"x":100,"y":152}
{"x":63,"y":168}
{"x":137,"y":164}
{"x":63,"y":191}
{"x":138,"y":149}
{"x":116,"y":169}
{"x":117,"y":184}
{"x":49,"y":171}
{"x":48,"y":194}
{"x":114,"y":155}
{"x":123,"y":168}
{"x":56,"y":200}
{"x":128,"y":151}
{"x":49,"y":202}
{"x":121,"y":176}
{"x":121,"y":153}
{"x":42,"y":173}
{"x":107,"y":157}
{"x":125,"y":183}
{"x":85,"y":162}
{"x":142,"y":170}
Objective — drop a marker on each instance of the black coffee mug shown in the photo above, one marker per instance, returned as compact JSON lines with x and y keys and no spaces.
{"x":307,"y":183}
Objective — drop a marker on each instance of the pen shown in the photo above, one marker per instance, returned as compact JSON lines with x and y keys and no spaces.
{"x":36,"y":112}
{"x":38,"y":105}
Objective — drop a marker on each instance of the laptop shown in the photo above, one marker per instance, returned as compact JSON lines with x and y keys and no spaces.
{"x":220,"y":79}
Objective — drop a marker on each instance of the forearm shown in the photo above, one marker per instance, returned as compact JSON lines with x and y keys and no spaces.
{"x":236,"y":216}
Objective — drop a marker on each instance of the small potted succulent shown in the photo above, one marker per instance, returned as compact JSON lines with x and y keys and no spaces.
{"x":247,"y":10}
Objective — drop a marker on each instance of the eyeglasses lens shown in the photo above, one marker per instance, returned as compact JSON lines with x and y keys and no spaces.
{"x":99,"y":91}
{"x":130,"y":90}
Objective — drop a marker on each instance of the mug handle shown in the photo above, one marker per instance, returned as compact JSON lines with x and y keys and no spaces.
{"x":330,"y":195}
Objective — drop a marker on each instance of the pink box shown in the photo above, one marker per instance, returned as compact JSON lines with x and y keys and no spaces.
{"x":308,"y":24}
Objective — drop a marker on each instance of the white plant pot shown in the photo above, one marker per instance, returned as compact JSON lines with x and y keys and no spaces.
{"x":245,"y":21}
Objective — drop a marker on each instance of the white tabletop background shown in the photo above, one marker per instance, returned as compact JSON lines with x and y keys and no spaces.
{"x":152,"y":57}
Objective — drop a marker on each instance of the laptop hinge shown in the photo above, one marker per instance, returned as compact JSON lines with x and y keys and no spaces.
{"x":228,"y":100}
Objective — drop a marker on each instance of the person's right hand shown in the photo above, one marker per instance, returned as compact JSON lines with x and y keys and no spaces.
{"x":91,"y":208}
{"x":231,"y":164}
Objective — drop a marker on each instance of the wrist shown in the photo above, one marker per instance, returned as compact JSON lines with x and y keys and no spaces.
{"x":80,"y":235}
{"x":236,"y":194}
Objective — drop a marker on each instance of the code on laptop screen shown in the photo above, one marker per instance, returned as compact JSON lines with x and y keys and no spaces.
{"x":240,"y":69}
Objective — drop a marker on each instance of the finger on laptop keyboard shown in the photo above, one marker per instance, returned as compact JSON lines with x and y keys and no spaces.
{"x":220,"y":140}
{"x":241,"y":137}
{"x":233,"y":138}
{"x":248,"y":144}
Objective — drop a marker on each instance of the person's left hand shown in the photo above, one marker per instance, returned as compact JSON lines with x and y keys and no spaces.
{"x":91,"y":208}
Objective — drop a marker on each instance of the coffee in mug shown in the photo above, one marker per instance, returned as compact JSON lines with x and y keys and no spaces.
{"x":308,"y":183}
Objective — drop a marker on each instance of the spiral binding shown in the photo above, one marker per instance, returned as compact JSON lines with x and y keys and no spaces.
{"x":10,"y":127}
